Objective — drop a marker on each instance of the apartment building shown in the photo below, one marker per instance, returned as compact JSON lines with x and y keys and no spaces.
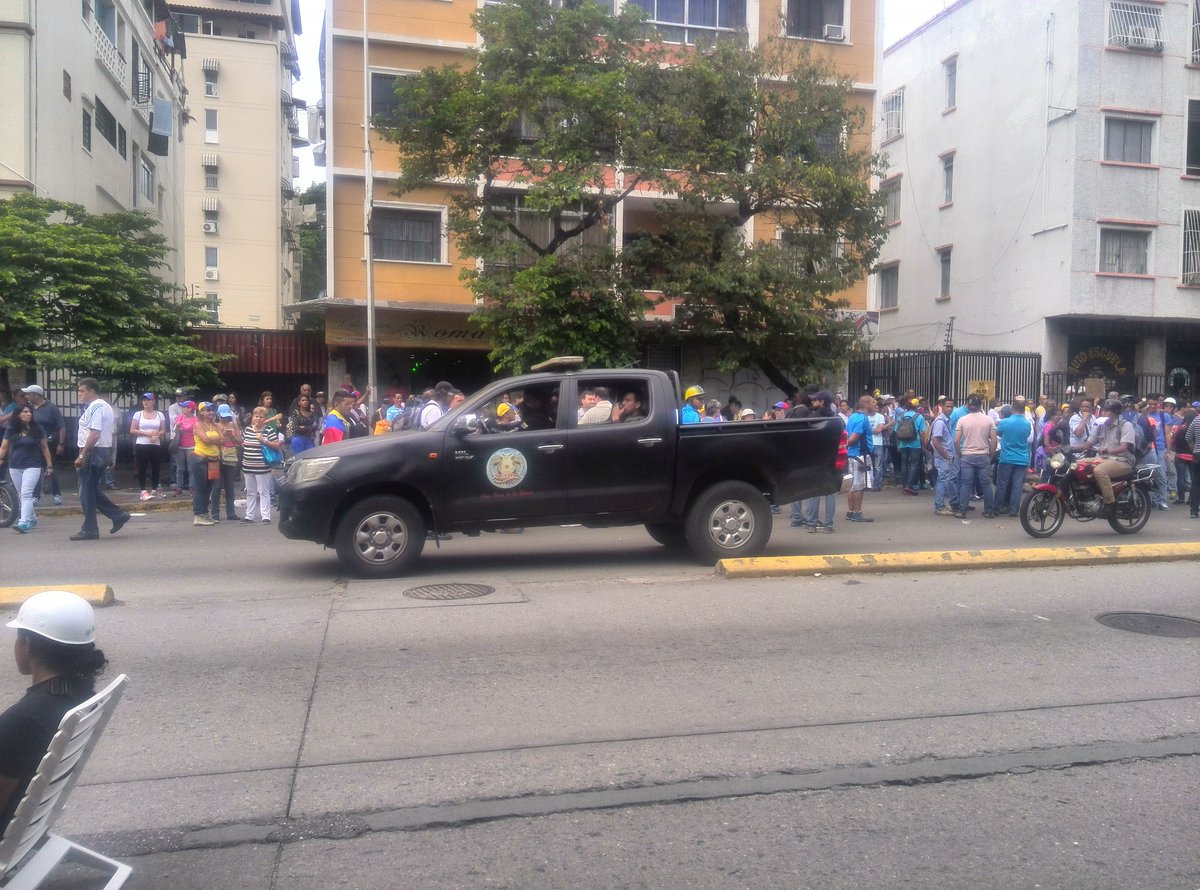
{"x":240,"y":248}
{"x":1045,"y":189}
{"x":92,"y":108}
{"x":422,"y":327}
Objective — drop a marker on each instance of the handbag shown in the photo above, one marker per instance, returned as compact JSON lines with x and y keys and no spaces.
{"x":214,"y":470}
{"x":229,"y":455}
{"x":271,"y":455}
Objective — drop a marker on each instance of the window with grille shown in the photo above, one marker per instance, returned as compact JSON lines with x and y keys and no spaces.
{"x":540,"y":228}
{"x":893,"y":114}
{"x":944,"y":261}
{"x":1124,"y":251}
{"x":87,"y":130}
{"x":948,"y":179}
{"x":1136,"y":26}
{"x":210,"y":83}
{"x":145,"y":179}
{"x":891,"y":207}
{"x":408,"y":236}
{"x":210,"y":125}
{"x":1128,"y":140}
{"x":1191,"y":247}
{"x":889,"y":287}
{"x":1193,"y":137}
{"x":106,"y":124}
{"x":383,"y":93}
{"x":694,"y":21}
{"x":212,"y":308}
{"x":816,"y":19}
{"x":211,"y":177}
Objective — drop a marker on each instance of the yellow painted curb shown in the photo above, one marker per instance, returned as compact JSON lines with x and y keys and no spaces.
{"x":940,"y":560}
{"x":96,"y":594}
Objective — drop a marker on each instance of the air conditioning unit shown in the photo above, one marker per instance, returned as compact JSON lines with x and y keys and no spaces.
{"x":209,"y":228}
{"x":835,"y":32}
{"x":211,"y":275}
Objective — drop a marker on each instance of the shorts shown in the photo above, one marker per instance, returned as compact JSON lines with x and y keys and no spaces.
{"x":860,"y":473}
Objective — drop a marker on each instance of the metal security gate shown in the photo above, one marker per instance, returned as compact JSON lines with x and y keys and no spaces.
{"x":950,"y":372}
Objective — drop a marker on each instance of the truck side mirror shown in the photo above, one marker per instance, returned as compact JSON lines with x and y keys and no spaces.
{"x":465,"y":425}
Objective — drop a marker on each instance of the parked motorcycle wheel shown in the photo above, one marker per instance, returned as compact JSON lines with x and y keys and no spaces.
{"x":1042,"y":514}
{"x":9,"y":504}
{"x":1131,"y":515}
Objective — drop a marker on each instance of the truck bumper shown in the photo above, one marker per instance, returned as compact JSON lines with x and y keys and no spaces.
{"x":305,"y":512}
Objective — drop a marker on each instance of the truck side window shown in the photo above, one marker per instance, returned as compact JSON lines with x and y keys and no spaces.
{"x":534,"y":408}
{"x":611,"y":401}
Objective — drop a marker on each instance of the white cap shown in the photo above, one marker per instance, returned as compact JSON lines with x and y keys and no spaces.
{"x":1169,"y":401}
{"x":57,"y":615}
{"x":33,"y":389}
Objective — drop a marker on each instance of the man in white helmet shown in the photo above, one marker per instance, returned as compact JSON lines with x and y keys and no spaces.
{"x":56,"y":649}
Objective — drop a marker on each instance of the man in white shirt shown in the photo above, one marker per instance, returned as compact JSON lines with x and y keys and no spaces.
{"x":436,"y":406}
{"x":95,"y":442}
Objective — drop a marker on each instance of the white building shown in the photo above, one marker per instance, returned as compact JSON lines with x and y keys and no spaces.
{"x":240,"y":245}
{"x":1044,"y":162}
{"x":82,"y":85}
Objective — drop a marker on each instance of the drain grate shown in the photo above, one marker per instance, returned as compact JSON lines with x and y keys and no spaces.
{"x":1151,"y":623}
{"x":449,"y":591}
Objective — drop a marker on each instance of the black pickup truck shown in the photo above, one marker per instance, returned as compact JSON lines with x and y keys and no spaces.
{"x":516,"y":454}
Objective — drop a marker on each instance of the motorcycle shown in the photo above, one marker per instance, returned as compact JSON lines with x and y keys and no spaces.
{"x":10,"y":502}
{"x":1071,"y":490}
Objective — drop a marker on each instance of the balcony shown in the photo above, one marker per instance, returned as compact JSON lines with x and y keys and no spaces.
{"x":110,"y":58}
{"x":1196,"y":38}
{"x":287,"y":189}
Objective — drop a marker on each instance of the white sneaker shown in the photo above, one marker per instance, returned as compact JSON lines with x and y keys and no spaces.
{"x":202,"y":520}
{"x":146,"y":495}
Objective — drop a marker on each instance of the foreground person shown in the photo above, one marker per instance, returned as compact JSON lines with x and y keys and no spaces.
{"x":56,"y":649}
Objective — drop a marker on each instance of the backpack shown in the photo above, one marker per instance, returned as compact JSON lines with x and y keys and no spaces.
{"x":906,"y":429}
{"x":1179,"y":441}
{"x":1141,"y":441}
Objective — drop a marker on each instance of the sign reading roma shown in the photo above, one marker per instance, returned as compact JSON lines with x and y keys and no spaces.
{"x":413,"y":330}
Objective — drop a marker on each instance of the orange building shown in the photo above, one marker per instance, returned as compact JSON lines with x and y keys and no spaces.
{"x":422,"y":306}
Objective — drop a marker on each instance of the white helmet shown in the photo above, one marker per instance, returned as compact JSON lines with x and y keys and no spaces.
{"x":57,"y":615}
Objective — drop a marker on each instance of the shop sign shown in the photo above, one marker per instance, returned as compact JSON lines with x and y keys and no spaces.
{"x":411,"y":330}
{"x":1097,"y":358}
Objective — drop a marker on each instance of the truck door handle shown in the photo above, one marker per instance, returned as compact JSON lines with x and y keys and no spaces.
{"x":546,"y":449}
{"x":649,"y":443}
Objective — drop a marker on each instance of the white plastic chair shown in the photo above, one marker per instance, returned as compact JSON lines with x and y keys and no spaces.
{"x":21,"y":866}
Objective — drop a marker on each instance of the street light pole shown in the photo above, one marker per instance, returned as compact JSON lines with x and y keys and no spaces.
{"x":368,"y":207}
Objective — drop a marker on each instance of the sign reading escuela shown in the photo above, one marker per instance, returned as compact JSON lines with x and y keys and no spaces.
{"x":412,"y":330}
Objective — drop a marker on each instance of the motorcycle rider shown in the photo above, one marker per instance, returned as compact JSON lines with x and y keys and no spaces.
{"x":1114,"y":440}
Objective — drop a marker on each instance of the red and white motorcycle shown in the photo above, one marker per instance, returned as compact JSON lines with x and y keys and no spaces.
{"x":1072,"y":491}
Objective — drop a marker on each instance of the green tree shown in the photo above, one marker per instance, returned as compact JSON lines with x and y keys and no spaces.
{"x":312,"y":244}
{"x":80,"y":293}
{"x":568,"y":111}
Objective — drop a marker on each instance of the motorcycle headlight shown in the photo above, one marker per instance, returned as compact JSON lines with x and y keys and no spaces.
{"x":1058,"y":461}
{"x":310,"y":470}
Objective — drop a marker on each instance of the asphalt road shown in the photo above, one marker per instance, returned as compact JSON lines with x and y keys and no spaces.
{"x":614,"y":715}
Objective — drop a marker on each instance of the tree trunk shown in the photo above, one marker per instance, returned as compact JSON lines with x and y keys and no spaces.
{"x":777,"y":377}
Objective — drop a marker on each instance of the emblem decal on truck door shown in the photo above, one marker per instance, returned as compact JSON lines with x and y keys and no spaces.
{"x":506,"y":468}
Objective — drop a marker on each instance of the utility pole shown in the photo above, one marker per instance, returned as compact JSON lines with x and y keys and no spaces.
{"x":368,"y":207}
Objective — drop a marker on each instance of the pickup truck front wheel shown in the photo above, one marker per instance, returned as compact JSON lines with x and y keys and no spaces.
{"x":380,"y":537}
{"x":730,"y":519}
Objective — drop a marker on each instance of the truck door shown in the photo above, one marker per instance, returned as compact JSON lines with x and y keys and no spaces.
{"x":513,"y":465}
{"x":621,"y":465}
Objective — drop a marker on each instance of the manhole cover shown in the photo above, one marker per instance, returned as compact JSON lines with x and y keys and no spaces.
{"x":1150,"y":623}
{"x":449,"y":591}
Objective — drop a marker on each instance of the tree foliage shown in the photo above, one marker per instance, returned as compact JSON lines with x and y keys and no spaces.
{"x":568,"y":111}
{"x":312,"y":244}
{"x":80,"y":293}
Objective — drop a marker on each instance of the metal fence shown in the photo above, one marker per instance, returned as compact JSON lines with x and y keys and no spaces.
{"x":1063,"y":386}
{"x":951,"y":372}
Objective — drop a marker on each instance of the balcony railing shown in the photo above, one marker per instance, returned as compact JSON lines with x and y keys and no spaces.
{"x":110,"y":58}
{"x":1196,"y":35}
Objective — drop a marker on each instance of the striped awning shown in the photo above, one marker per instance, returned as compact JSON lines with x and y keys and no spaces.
{"x":210,"y":159}
{"x":212,"y":65}
{"x":212,"y":205}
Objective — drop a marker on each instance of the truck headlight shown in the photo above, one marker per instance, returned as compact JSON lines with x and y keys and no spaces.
{"x":311,"y":470}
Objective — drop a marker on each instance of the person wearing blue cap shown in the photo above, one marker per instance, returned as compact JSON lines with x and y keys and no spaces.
{"x":227,"y":464}
{"x":149,"y":429}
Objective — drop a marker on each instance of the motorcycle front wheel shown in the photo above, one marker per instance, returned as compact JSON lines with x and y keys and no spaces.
{"x":1042,"y":514}
{"x":1131,"y":515}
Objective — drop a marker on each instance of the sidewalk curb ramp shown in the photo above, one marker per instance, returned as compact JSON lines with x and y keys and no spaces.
{"x":96,"y":594}
{"x":943,"y":560}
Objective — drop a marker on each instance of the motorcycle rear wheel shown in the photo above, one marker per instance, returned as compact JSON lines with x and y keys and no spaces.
{"x":1132,"y":515}
{"x":1042,"y":514}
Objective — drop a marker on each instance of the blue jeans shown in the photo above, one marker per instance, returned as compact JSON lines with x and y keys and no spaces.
{"x":812,"y":510}
{"x":946,"y":492}
{"x":1160,"y":495}
{"x":183,"y":464}
{"x":224,"y":484}
{"x":877,"y":471}
{"x":198,"y":468}
{"x":1010,"y":480}
{"x":91,"y":498}
{"x":910,"y":470}
{"x":973,"y":470}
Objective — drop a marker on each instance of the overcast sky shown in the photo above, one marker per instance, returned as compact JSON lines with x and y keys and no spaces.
{"x":899,"y":17}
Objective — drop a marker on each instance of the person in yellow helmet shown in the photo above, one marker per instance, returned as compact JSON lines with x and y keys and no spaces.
{"x":693,"y":405}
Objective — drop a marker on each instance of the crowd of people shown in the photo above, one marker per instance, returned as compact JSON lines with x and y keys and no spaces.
{"x":983,"y":451}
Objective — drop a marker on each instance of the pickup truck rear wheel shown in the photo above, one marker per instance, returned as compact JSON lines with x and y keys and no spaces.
{"x":730,"y":519}
{"x":668,"y":534}
{"x":380,"y":537}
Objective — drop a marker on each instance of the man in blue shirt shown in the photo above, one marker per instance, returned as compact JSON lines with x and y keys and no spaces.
{"x":693,"y":405}
{"x":941,"y":439}
{"x":1014,"y":432}
{"x":911,"y":450}
{"x":860,"y":449}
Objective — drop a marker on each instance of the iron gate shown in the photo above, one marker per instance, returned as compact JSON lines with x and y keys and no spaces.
{"x":950,"y":372}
